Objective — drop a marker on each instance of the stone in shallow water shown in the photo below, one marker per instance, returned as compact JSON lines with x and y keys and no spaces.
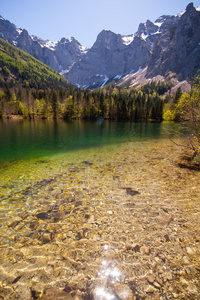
{"x":192,"y":289}
{"x":190,"y":250}
{"x":42,"y":216}
{"x":145,"y":250}
{"x":14,"y":222}
{"x":156,"y":285}
{"x":55,"y":294}
{"x":150,"y":289}
{"x":166,"y":236}
{"x":131,"y":192}
{"x":87,"y":162}
{"x":124,"y":292}
{"x":33,"y":225}
{"x":151,"y":278}
{"x":136,"y":247}
{"x":184,"y":282}
{"x":46,"y":236}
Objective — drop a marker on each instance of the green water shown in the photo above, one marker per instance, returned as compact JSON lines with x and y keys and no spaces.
{"x":35,"y":150}
{"x":24,"y":139}
{"x":93,"y":205}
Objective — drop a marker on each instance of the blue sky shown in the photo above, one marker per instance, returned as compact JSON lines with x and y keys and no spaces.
{"x":85,"y":19}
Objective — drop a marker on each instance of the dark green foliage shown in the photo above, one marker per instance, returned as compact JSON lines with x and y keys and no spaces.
{"x":54,"y":103}
{"x":71,"y":103}
{"x":160,"y":87}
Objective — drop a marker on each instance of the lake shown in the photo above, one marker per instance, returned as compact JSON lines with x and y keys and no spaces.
{"x":96,"y":210}
{"x":23,"y":139}
{"x":33,"y":149}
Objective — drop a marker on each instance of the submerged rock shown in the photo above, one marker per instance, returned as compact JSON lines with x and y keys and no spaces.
{"x":124,"y":292}
{"x":55,"y":294}
{"x":42,"y":216}
{"x":87,"y":162}
{"x":92,"y":240}
{"x":145,"y":250}
{"x":131,"y":192}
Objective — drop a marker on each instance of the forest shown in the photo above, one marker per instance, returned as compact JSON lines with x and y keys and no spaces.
{"x":133,"y":104}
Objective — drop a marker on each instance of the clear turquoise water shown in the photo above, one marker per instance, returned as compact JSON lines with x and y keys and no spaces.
{"x":36,"y":150}
{"x":75,"y":197}
{"x":24,"y":139}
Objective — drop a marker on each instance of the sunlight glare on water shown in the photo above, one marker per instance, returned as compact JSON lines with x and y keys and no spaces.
{"x":94,"y":211}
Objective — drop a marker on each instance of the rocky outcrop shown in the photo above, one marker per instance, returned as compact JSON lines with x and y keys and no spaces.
{"x":178,"y":48}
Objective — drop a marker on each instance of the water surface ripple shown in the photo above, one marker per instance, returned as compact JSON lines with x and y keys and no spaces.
{"x":116,"y":221}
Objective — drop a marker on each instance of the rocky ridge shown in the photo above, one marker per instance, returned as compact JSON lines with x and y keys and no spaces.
{"x":178,"y":48}
{"x":168,"y":47}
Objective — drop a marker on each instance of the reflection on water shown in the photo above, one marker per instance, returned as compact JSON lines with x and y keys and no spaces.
{"x":112,"y":222}
{"x":32,"y":138}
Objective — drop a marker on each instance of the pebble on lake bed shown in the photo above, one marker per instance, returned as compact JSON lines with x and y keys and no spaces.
{"x":120,"y":224}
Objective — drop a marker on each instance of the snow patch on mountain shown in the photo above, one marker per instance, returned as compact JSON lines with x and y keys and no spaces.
{"x":180,"y":14}
{"x":159,"y":24}
{"x":67,"y":70}
{"x":117,"y":77}
{"x":19,"y":30}
{"x":105,"y":80}
{"x":144,"y":36}
{"x":50,"y":44}
{"x":83,"y":49}
{"x":127,"y":39}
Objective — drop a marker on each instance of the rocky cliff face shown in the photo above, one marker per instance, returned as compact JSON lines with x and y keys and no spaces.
{"x":170,"y":45}
{"x":108,"y":59}
{"x":58,"y":55}
{"x":114,"y":56}
{"x":178,"y":48}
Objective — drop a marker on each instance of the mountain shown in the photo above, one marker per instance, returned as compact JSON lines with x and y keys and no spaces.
{"x":19,"y":68}
{"x":58,"y":55}
{"x":178,"y":48}
{"x":108,"y":59}
{"x":166,"y":48}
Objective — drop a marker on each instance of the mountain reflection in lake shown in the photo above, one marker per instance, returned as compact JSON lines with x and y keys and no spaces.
{"x":113,"y":217}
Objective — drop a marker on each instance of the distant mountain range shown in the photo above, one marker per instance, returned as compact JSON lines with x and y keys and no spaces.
{"x":167,"y":48}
